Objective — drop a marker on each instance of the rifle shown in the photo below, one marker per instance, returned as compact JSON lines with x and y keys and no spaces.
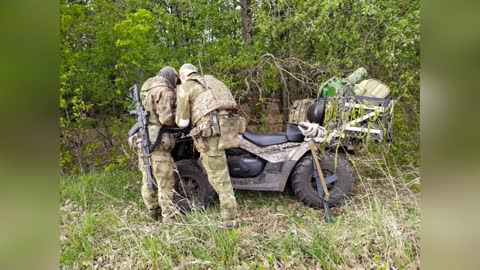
{"x":203,"y":77}
{"x":142,"y":126}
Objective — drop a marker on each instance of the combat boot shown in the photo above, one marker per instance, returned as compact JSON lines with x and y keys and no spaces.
{"x":169,"y":221}
{"x":155,"y":214}
{"x":170,"y":218}
{"x":231,"y":223}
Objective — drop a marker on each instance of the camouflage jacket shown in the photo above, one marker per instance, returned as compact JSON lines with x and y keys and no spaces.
{"x":158,"y":98}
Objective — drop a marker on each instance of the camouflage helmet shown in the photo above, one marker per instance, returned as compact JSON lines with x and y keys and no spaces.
{"x":170,"y":74}
{"x":187,"y":69}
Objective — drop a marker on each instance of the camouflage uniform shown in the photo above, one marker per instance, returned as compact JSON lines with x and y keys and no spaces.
{"x":192,"y":105}
{"x":158,"y":98}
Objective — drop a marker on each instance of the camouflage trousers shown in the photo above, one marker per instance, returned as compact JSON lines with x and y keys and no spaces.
{"x":215,"y":163}
{"x":162,"y":193}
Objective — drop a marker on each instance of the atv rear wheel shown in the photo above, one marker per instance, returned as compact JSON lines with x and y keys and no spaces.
{"x":192,"y":189}
{"x":304,"y":184}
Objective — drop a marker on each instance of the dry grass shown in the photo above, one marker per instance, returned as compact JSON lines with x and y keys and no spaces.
{"x":104,"y":226}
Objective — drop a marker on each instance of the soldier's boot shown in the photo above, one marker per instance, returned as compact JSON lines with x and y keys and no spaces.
{"x":230,"y":224}
{"x":170,"y":215}
{"x":150,"y":199}
{"x":155,"y":214}
{"x":229,"y":212}
{"x":169,"y":220}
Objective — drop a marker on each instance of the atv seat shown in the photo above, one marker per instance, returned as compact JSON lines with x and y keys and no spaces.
{"x":265,"y":139}
{"x":293,"y":134}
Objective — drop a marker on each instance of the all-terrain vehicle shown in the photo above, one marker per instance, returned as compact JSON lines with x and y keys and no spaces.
{"x":270,"y":162}
{"x":263,"y":162}
{"x":344,"y":114}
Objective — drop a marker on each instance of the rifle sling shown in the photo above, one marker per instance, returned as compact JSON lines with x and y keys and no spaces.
{"x":157,"y":142}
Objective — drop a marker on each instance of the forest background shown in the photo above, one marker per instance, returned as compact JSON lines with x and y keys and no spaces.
{"x":270,"y":53}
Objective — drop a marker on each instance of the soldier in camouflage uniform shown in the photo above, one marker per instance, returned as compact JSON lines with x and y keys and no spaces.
{"x":197,"y":98}
{"x":158,"y":98}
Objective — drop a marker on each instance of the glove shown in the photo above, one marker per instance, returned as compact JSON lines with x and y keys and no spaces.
{"x":131,"y":141}
{"x":135,"y":142}
{"x":139,"y":143}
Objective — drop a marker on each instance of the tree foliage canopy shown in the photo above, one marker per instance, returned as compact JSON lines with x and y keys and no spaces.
{"x":106,"y":46}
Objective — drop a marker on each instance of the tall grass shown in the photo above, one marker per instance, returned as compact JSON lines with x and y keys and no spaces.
{"x":104,"y":226}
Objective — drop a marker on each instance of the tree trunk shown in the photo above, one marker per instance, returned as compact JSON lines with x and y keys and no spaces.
{"x":285,"y":97}
{"x":247,"y":21}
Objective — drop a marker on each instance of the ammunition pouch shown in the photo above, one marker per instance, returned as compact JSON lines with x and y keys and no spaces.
{"x":167,"y":142}
{"x":224,"y":123}
{"x":214,"y":123}
{"x":231,"y":124}
{"x":199,"y":139}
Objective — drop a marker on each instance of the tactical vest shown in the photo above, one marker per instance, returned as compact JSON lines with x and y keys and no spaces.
{"x":215,"y":95}
{"x":145,"y":96}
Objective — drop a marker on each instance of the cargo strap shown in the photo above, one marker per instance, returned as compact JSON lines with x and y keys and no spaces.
{"x":313,"y":149}
{"x":318,"y":174}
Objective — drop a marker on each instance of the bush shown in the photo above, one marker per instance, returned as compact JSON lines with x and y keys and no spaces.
{"x":107,"y":46}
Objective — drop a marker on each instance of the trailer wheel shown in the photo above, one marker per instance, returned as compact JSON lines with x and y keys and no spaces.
{"x":305,"y":187}
{"x":192,"y":189}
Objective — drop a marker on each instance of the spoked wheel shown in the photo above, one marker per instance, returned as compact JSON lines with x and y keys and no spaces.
{"x":330,"y":179}
{"x":192,"y":189}
{"x":339,"y":180}
{"x":189,"y":188}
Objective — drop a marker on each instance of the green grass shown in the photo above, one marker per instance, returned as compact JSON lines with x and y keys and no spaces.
{"x":104,"y":225}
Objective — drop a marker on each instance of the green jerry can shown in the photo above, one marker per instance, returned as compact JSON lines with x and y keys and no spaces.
{"x":336,"y":85}
{"x":332,"y":86}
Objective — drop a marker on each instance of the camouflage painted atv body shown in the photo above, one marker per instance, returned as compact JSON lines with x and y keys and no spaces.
{"x":266,"y":162}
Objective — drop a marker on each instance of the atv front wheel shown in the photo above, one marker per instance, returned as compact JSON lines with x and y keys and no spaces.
{"x":192,"y":189}
{"x":305,"y":186}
